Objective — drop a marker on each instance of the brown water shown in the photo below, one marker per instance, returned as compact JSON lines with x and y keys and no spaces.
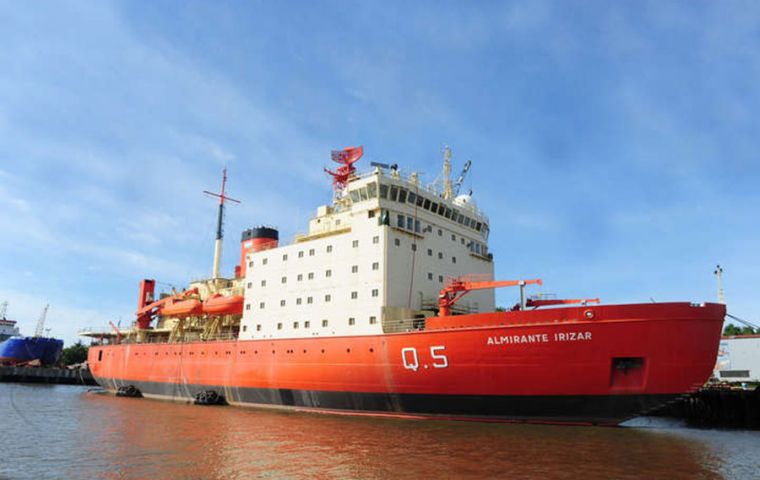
{"x":70,"y":432}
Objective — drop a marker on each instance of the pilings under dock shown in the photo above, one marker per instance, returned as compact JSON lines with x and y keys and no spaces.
{"x":46,"y":375}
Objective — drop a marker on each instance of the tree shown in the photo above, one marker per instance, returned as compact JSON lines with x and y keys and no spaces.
{"x":732,"y":329}
{"x":76,"y":353}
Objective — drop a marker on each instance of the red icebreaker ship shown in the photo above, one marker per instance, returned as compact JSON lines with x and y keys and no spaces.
{"x":386,"y":307}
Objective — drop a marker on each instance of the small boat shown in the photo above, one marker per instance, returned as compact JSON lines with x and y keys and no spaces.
{"x":183,"y":308}
{"x":224,"y":305}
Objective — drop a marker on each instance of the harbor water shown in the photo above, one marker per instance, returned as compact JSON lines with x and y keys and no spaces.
{"x":59,"y":431}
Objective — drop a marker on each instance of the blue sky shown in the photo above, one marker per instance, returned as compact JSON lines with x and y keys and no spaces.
{"x":613,"y":143}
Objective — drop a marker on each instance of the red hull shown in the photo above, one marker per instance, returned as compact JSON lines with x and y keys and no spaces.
{"x":555,"y":365}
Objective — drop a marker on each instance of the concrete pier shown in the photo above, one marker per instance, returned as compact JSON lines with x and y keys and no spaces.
{"x":46,"y":375}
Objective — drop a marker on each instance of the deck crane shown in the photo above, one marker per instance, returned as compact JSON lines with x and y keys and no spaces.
{"x":459,"y":287}
{"x":540,"y":302}
{"x":41,"y":322}
{"x":460,"y":179}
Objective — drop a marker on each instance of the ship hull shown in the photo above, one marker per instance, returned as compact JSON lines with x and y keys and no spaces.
{"x":25,"y":349}
{"x":557,"y":366}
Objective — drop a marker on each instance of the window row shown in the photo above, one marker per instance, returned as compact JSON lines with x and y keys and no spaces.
{"x":402,"y":195}
{"x":307,"y":324}
{"x":310,"y":275}
{"x":312,"y":252}
{"x":474,"y":247}
{"x":375,"y":292}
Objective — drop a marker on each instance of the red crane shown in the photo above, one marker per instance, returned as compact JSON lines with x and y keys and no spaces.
{"x":459,"y":287}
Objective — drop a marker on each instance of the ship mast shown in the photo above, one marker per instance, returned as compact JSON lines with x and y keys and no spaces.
{"x":447,"y":190}
{"x":219,"y":223}
{"x":719,"y":277}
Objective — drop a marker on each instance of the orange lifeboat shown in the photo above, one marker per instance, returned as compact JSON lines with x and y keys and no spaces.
{"x":221,"y":305}
{"x":183,"y":308}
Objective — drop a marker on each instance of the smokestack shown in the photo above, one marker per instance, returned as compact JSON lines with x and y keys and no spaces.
{"x":256,"y":240}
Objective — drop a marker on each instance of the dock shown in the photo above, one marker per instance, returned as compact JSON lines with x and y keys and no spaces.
{"x":717,"y":408}
{"x":51,"y":375}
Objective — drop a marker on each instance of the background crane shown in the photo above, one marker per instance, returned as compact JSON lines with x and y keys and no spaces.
{"x":41,"y":322}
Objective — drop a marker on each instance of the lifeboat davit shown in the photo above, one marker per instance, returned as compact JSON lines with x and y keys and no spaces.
{"x":222,"y":305}
{"x":183,"y":308}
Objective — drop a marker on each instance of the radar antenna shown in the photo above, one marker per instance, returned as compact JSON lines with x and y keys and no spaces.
{"x":41,"y":322}
{"x":346,"y":158}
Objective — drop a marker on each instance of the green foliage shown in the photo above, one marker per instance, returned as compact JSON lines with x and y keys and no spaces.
{"x":76,"y":353}
{"x":732,"y":329}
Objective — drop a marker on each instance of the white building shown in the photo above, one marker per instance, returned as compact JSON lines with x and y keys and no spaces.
{"x":372,"y":262}
{"x":739,"y":359}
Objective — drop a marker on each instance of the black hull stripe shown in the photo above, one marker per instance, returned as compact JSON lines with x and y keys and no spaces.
{"x":592,"y":409}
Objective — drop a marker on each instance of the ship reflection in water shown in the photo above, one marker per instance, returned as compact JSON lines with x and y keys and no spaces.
{"x":67,"y":432}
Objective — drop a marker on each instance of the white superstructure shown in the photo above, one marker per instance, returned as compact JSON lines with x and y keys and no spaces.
{"x":739,"y":359}
{"x":8,"y":328}
{"x":372,"y":262}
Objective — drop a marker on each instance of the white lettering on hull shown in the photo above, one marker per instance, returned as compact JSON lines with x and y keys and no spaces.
{"x":539,"y":338}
